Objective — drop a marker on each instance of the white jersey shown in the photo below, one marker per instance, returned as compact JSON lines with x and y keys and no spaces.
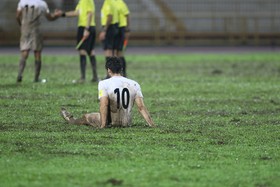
{"x":121,"y":93}
{"x":31,"y":12}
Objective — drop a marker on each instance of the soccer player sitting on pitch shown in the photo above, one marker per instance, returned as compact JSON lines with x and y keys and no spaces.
{"x":117,"y":96}
{"x":28,"y":17}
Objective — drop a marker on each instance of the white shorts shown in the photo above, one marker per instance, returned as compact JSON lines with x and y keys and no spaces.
{"x":31,"y":41}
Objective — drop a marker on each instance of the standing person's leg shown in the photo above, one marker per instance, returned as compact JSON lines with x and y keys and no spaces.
{"x":120,"y":39}
{"x":123,"y":61}
{"x":91,"y":53}
{"x":83,"y":64}
{"x":91,"y":119}
{"x":38,"y":64}
{"x":82,"y":54}
{"x":93,"y":67}
{"x":108,"y":54}
{"x":108,"y":44}
{"x":37,"y":46}
{"x":25,"y":46}
{"x":116,"y":39}
{"x":22,"y":63}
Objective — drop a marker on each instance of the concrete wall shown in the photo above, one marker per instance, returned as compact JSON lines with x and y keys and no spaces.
{"x":165,"y":22}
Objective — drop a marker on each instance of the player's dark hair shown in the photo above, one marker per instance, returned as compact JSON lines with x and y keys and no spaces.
{"x":114,"y":64}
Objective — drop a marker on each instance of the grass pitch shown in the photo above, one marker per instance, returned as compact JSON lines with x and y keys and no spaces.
{"x":218,"y":118}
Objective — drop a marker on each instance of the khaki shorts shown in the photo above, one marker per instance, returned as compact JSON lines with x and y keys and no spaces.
{"x":31,"y":41}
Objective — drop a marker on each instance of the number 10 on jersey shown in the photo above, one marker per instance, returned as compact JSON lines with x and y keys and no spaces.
{"x":123,"y":96}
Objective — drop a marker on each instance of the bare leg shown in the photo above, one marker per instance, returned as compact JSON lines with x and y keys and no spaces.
{"x":22,"y":63}
{"x":38,"y":65}
{"x":108,"y":53}
{"x":91,"y":119}
{"x":123,"y":62}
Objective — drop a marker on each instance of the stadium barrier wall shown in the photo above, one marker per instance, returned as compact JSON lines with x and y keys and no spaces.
{"x":165,"y":22}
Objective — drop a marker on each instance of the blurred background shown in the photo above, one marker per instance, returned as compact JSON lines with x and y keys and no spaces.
{"x":167,"y":22}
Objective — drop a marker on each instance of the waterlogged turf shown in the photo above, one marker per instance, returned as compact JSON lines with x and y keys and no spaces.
{"x":218,"y":118}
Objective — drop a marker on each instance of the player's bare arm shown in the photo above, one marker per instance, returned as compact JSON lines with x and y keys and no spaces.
{"x":52,"y":16}
{"x":18,"y":17}
{"x":89,"y":18}
{"x":144,"y":112}
{"x":103,"y":109}
{"x":72,"y":13}
{"x":108,"y":23}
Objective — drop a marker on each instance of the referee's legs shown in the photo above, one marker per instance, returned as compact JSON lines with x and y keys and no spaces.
{"x":93,"y":67}
{"x":83,"y":63}
{"x":123,"y":62}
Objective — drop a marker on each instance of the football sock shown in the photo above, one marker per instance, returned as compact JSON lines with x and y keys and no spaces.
{"x":83,"y":63}
{"x":107,"y":76}
{"x":37,"y":70}
{"x":123,"y":65}
{"x":93,"y":67}
{"x":22,"y":63}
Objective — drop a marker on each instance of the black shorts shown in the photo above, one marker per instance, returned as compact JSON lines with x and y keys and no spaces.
{"x":110,"y":39}
{"x":120,"y":39}
{"x":89,"y":43}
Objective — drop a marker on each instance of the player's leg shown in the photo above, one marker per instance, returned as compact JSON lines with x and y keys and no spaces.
{"x":25,"y":46}
{"x":82,"y":53}
{"x":108,"y":44}
{"x":121,"y":38}
{"x":116,"y":39}
{"x":92,"y":119}
{"x":83,"y":64}
{"x":38,"y":64}
{"x":91,"y":53}
{"x":123,"y":61}
{"x":109,"y":41}
{"x":117,"y":43}
{"x":37,"y":46}
{"x":22,"y":63}
{"x":93,"y":67}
